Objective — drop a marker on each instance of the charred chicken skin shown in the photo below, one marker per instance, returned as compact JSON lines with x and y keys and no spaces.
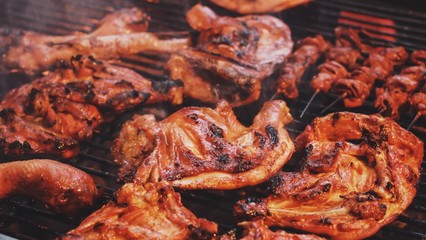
{"x":119,"y":33}
{"x":62,"y":188}
{"x":232,"y":56}
{"x":359,"y":174}
{"x":150,"y":211}
{"x":307,"y":52}
{"x":258,"y":6}
{"x":257,"y":230}
{"x":204,"y":148}
{"x":53,"y":113}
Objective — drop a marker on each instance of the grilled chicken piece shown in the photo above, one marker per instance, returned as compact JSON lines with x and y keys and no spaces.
{"x":232,"y":56}
{"x":307,"y":53}
{"x":359,"y":174}
{"x":418,"y":102}
{"x":119,"y":34}
{"x":204,"y":148}
{"x":257,"y":230}
{"x":20,"y":137}
{"x":61,"y":187}
{"x":348,"y":57}
{"x":69,"y":104}
{"x":328,"y":73}
{"x":258,"y":6}
{"x":382,"y":61}
{"x":150,"y":211}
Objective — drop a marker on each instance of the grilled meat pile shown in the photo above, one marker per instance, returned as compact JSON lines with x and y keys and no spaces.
{"x":257,"y":230}
{"x":144,"y":211}
{"x":232,"y":56}
{"x":258,"y":6}
{"x":119,"y":33}
{"x":204,"y":148}
{"x":63,"y":188}
{"x":359,"y":174}
{"x":53,"y":113}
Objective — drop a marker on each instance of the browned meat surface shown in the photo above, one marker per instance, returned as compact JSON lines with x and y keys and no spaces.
{"x":418,"y":57}
{"x":150,"y":211}
{"x":359,"y":174}
{"x":382,"y":61}
{"x":119,"y":33}
{"x":348,"y":57}
{"x":356,"y":88}
{"x":258,"y":6}
{"x":418,"y":102}
{"x":328,"y":73}
{"x":20,"y":137}
{"x":393,"y":97}
{"x":232,"y":56}
{"x":257,"y":230}
{"x":307,"y":52}
{"x":204,"y":148}
{"x":53,"y":113}
{"x":62,"y":188}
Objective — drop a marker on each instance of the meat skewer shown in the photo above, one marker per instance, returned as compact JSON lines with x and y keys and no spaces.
{"x":149,"y":211}
{"x":119,"y":34}
{"x":418,"y":104}
{"x":61,"y":187}
{"x":204,"y":148}
{"x":360,"y":172}
{"x":308,"y":51}
{"x":328,"y":72}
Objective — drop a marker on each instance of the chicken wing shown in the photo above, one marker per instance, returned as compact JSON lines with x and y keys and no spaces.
{"x":202,"y":148}
{"x":119,"y":34}
{"x":150,"y":211}
{"x":359,"y":174}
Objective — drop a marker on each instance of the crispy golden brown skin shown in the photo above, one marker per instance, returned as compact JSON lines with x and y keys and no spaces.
{"x":257,"y":230}
{"x":119,"y":33}
{"x":359,"y":174}
{"x":258,"y":6}
{"x":150,"y":211}
{"x":232,"y":56}
{"x":53,"y":113}
{"x":204,"y":148}
{"x":61,"y":187}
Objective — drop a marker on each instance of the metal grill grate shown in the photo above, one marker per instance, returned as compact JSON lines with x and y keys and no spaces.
{"x":25,"y":219}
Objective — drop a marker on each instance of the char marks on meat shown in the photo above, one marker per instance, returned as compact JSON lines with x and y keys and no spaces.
{"x":359,"y":173}
{"x":150,"y":211}
{"x":232,"y":56}
{"x":204,"y":148}
{"x":120,"y":33}
{"x":53,"y":113}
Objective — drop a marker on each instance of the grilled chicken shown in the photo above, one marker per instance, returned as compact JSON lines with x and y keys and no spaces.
{"x":328,"y":73}
{"x":150,"y":211}
{"x":257,"y":230}
{"x":53,"y":113}
{"x":258,"y":6}
{"x":119,"y":34}
{"x":62,"y":188}
{"x":232,"y":56}
{"x":359,"y":174}
{"x":204,"y":148}
{"x":307,"y":52}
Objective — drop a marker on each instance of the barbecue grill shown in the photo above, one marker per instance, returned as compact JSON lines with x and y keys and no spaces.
{"x":387,"y":22}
